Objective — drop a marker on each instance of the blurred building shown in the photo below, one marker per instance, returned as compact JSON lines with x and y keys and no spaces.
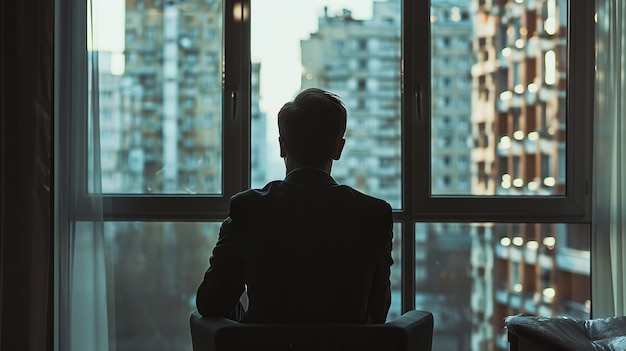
{"x":172,"y":98}
{"x":518,"y":131}
{"x":451,"y":84}
{"x":110,"y":126}
{"x":360,"y":61}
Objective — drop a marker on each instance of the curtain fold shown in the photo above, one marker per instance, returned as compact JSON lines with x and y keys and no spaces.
{"x":26,"y":71}
{"x":609,"y":189}
{"x":83,"y":317}
{"x":89,"y":318}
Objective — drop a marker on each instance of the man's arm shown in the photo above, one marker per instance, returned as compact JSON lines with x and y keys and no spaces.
{"x":219,"y":292}
{"x":379,"y":299}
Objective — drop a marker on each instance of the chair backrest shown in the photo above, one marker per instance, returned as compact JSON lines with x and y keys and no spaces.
{"x":412,"y":331}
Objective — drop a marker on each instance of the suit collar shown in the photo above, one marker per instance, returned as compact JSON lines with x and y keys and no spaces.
{"x":307,"y":175}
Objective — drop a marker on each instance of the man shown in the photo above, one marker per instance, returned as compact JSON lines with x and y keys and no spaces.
{"x":307,"y":249}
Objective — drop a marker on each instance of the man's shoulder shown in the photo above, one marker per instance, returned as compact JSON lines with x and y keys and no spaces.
{"x":257,"y":192}
{"x":254,"y":196}
{"x":278,"y":189}
{"x":363,"y":196}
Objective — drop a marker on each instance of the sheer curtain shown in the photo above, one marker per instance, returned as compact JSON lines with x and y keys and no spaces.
{"x":81,"y":266}
{"x":609,"y":214}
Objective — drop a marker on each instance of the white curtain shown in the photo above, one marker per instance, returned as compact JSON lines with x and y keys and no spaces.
{"x":83,"y":302}
{"x":609,"y":214}
{"x":88,"y":273}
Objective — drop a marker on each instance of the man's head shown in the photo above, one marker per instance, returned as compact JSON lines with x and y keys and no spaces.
{"x":311,"y":128}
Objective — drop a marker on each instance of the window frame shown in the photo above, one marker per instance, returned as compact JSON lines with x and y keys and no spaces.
{"x":418,"y":204}
{"x":573,"y":207}
{"x":235,"y":126}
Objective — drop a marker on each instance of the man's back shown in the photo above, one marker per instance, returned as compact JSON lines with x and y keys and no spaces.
{"x":308,"y":250}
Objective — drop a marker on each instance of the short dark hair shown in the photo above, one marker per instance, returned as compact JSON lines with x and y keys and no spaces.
{"x":312,"y":125}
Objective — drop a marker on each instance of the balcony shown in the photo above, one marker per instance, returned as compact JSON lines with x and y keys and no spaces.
{"x":574,"y":309}
{"x":545,"y":261}
{"x":514,"y":10}
{"x":515,"y":301}
{"x":502,"y":297}
{"x":530,"y":307}
{"x":530,"y":256}
{"x":575,"y":261}
{"x":337,"y":73}
{"x":502,"y":252}
{"x":515,"y":254}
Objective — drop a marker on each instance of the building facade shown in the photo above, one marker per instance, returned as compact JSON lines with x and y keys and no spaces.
{"x":172,"y":109}
{"x":518,"y":131}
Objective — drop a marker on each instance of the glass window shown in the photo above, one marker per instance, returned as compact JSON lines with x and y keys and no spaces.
{"x":308,"y":49}
{"x":153,"y":272}
{"x":517,"y":70}
{"x":159,"y":95}
{"x":493,"y":270}
{"x":457,"y":118}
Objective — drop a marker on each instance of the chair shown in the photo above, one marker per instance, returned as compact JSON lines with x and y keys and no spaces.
{"x":411,"y":331}
{"x":566,"y":334}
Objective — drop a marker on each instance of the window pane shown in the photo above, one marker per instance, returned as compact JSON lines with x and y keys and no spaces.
{"x":498,"y":97}
{"x":152,"y":272}
{"x":159,"y":95}
{"x":351,"y":48}
{"x":471,"y":276}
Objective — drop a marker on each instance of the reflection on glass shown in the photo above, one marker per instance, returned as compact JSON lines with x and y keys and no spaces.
{"x":152,"y":271}
{"x":498,"y":97}
{"x":159,"y":95}
{"x":351,"y":49}
{"x":473,"y":275}
{"x":396,"y":274}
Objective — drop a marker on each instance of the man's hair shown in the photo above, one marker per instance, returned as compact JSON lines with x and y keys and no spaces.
{"x":312,"y":126}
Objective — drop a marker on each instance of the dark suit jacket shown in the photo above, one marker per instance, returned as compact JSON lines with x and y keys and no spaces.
{"x":307,"y":249}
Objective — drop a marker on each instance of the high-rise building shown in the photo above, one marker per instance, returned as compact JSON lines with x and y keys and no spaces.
{"x":448,"y":245}
{"x":360,"y":61}
{"x":110,"y":126}
{"x":451,"y":87}
{"x":172,"y":107}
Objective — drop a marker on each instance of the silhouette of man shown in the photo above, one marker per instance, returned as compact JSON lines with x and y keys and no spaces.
{"x":306,"y":249}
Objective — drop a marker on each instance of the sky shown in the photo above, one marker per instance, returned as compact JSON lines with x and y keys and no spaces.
{"x":277,"y":27}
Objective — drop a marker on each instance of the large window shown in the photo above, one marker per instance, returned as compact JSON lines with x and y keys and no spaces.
{"x":466,"y":116}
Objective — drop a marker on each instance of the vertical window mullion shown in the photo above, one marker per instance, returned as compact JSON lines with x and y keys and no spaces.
{"x":236,"y":98}
{"x":416,"y":136}
{"x":581,"y":42}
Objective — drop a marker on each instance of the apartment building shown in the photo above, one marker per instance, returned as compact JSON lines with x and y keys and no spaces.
{"x":173,"y":105}
{"x":519,"y":134}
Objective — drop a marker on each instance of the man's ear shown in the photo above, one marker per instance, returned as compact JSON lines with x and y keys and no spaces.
{"x":283,"y":147}
{"x":339,"y":149}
